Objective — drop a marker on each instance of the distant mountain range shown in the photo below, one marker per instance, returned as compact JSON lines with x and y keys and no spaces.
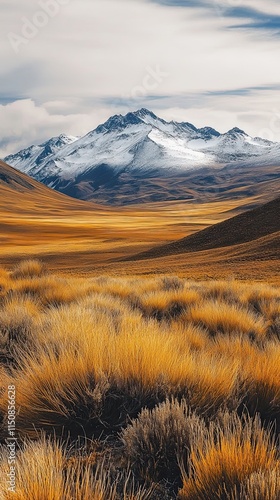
{"x":140,"y":157}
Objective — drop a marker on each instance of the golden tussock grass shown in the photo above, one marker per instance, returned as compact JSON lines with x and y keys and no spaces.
{"x":262,"y":382}
{"x":220,"y":317}
{"x":5,"y":282}
{"x":19,"y":317}
{"x":50,"y":290}
{"x":44,"y":472}
{"x":29,"y":269}
{"x":4,"y":277}
{"x":263,"y":485}
{"x":226,"y":455}
{"x":168,"y":371}
{"x":167,"y":304}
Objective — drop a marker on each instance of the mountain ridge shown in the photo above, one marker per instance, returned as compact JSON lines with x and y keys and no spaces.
{"x":139,"y":146}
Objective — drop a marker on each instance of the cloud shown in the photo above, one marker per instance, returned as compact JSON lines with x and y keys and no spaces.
{"x":253,"y":109}
{"x":23,"y":123}
{"x":182,"y":3}
{"x":244,"y":91}
{"x":96,"y":57}
{"x":256,"y":18}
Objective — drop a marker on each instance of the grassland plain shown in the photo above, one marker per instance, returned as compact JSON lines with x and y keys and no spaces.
{"x":140,"y":388}
{"x":76,"y":237}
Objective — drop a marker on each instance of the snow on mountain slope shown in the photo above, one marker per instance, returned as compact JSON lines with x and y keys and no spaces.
{"x":142,"y":145}
{"x":35,"y":156}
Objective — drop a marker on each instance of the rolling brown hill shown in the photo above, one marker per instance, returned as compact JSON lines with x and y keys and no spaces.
{"x":251,"y":226}
{"x":20,"y":187}
{"x":84,"y":238}
{"x":245,"y":247}
{"x":74,"y":235}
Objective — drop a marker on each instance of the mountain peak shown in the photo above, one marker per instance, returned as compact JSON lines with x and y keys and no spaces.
{"x":59,"y":140}
{"x":117,"y":122}
{"x":144,"y":112}
{"x":235,"y":131}
{"x":209,"y":132}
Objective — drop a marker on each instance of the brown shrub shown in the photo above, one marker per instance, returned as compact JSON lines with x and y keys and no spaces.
{"x":158,"y":438}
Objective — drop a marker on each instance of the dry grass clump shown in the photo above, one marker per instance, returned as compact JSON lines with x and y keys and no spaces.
{"x":74,"y":383}
{"x":18,"y":314}
{"x":258,"y":296}
{"x":275,"y":328}
{"x":31,"y":268}
{"x":58,"y":392}
{"x":19,"y":319}
{"x":52,"y":290}
{"x":260,"y":486}
{"x":167,"y":304}
{"x":226,"y":457}
{"x":260,"y":375}
{"x":224,"y":291}
{"x":90,"y":375}
{"x":158,"y":439}
{"x":4,"y":282}
{"x":271,"y":309}
{"x":146,"y":366}
{"x":120,"y":288}
{"x":59,"y":293}
{"x":172,"y":283}
{"x":220,"y":317}
{"x":39,"y":472}
{"x":189,"y":337}
{"x":259,"y":385}
{"x":43,"y":472}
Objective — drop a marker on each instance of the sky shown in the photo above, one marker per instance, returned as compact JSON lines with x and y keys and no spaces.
{"x":68,"y":65}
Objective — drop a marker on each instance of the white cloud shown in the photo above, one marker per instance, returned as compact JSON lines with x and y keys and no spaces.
{"x":95,"y":51}
{"x":257,"y":113}
{"x":22,"y":123}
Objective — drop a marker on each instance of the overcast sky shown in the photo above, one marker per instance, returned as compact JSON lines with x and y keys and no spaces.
{"x":67,"y":65}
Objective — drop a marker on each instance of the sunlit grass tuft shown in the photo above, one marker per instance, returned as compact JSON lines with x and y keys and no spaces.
{"x":220,"y":317}
{"x":264,"y":485}
{"x":159,"y":371}
{"x":29,"y":269}
{"x":225,"y":457}
{"x":43,"y":472}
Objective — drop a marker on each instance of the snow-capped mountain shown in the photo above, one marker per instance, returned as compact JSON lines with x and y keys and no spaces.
{"x":34,"y":156}
{"x":140,"y":145}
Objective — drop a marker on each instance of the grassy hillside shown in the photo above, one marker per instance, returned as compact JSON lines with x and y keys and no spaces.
{"x":77,"y":236}
{"x":249,"y":226}
{"x":138,"y":388}
{"x":246,"y":246}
